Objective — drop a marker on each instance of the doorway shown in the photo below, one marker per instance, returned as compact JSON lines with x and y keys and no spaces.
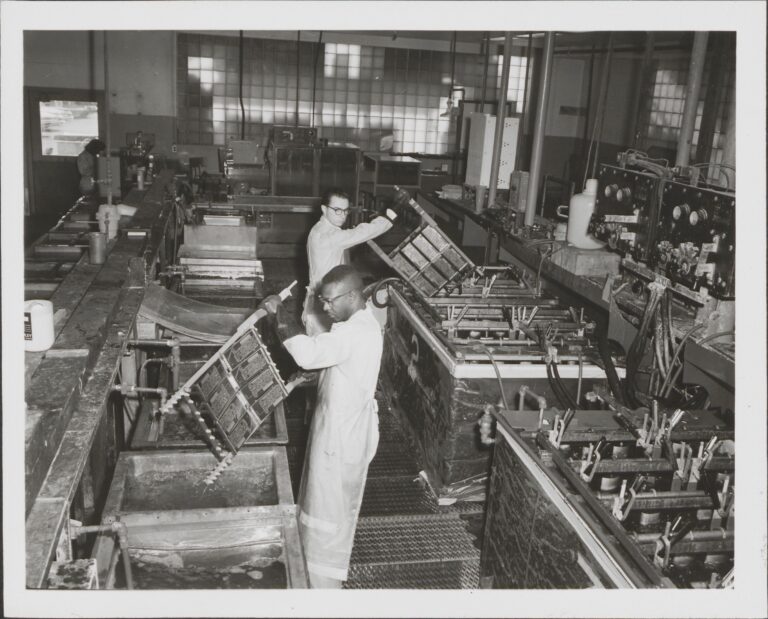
{"x":59,"y":123}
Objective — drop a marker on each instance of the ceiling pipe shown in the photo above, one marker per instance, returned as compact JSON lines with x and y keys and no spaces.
{"x":693,"y":90}
{"x":501,"y":113}
{"x":538,"y":132}
{"x":107,"y":132}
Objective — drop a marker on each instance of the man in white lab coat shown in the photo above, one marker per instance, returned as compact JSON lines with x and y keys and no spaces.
{"x":328,"y":246}
{"x":345,"y":428}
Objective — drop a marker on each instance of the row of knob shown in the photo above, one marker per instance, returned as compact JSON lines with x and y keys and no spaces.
{"x":682,"y":211}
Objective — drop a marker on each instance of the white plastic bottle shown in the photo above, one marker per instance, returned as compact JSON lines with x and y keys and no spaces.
{"x":580,"y":211}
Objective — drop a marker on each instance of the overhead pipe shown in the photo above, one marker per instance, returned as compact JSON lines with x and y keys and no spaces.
{"x":693,"y":90}
{"x":538,"y":133}
{"x":107,"y":132}
{"x":501,"y":113}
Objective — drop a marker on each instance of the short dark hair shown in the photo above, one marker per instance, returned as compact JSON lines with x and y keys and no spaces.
{"x":95,"y":146}
{"x":334,"y":191}
{"x":343,"y":273}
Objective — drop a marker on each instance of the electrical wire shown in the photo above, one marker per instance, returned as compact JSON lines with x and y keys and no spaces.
{"x":561,"y":385}
{"x":487,"y":351}
{"x":678,"y":350}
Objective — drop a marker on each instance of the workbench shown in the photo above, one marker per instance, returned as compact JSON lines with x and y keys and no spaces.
{"x":71,"y":438}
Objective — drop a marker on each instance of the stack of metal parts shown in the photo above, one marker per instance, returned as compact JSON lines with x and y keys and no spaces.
{"x":611,"y":498}
{"x":219,"y":255}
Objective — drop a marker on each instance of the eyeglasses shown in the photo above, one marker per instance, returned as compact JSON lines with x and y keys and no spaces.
{"x":338,"y":211}
{"x":330,"y":300}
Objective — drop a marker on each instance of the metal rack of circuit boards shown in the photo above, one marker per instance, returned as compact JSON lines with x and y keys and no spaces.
{"x":237,"y":388}
{"x":457,"y":329}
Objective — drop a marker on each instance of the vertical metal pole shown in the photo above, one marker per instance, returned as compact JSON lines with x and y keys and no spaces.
{"x":107,"y":132}
{"x":485,"y":70}
{"x":240,"y":92}
{"x":524,"y":114}
{"x":693,"y":89}
{"x":729,"y":148}
{"x":501,"y":113}
{"x":298,"y":72}
{"x":538,"y":133}
{"x":639,"y":105}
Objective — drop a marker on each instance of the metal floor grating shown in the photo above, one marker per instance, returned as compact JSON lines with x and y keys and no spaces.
{"x":392,"y":460}
{"x":383,"y":540}
{"x":447,"y":575}
{"x":386,"y":496}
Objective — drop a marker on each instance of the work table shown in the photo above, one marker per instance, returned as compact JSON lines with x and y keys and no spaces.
{"x":67,"y":387}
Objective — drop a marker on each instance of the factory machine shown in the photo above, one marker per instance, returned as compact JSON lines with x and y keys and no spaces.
{"x":460,"y":337}
{"x":609,"y":498}
{"x":681,"y":230}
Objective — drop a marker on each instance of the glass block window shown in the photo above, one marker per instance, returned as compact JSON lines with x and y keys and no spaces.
{"x":517,"y":76}
{"x":363,"y":93}
{"x":665,"y":115}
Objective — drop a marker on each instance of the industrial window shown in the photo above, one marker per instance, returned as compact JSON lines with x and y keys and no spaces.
{"x":517,"y":77}
{"x":665,"y":115}
{"x":67,"y":126}
{"x":362,"y":93}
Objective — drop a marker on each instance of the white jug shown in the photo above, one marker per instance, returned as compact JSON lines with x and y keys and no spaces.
{"x":38,"y":325}
{"x":580,"y":211}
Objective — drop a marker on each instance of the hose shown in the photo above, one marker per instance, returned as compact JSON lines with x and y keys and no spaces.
{"x":569,"y":398}
{"x":610,"y":368}
{"x":668,"y":379}
{"x":372,"y":290}
{"x":636,"y":350}
{"x":485,"y":349}
{"x":561,"y":397}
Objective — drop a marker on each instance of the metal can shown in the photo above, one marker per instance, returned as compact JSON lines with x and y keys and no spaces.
{"x":97,"y":247}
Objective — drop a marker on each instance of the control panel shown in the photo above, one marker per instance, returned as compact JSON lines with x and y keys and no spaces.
{"x":626,"y":209}
{"x":695,"y":238}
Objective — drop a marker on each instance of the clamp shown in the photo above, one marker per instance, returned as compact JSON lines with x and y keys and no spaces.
{"x":559,"y":426}
{"x":673,"y":533}
{"x":595,"y":454}
{"x":623,"y":504}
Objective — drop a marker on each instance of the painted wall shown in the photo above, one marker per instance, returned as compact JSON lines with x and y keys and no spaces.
{"x":141,"y":75}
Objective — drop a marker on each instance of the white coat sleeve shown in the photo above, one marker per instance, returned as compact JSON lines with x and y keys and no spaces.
{"x":320,"y":351}
{"x":362,"y":232}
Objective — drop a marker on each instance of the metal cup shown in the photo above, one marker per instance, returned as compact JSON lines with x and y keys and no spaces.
{"x":97,"y":247}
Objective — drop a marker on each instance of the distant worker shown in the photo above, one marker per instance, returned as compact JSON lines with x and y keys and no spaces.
{"x":328,"y":246}
{"x":345,"y":428}
{"x":86,"y":166}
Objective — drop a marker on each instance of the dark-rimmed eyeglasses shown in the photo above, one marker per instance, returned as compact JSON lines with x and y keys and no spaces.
{"x":338,"y":211}
{"x":330,"y":300}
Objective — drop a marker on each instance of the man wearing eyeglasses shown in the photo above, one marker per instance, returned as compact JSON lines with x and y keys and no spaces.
{"x":345,"y":428}
{"x":328,"y":246}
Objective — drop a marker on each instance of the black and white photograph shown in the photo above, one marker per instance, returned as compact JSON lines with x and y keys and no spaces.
{"x":388,"y":309}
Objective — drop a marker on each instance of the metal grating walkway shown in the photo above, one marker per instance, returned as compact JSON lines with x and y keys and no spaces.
{"x":404,"y":539}
{"x":413,"y":552}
